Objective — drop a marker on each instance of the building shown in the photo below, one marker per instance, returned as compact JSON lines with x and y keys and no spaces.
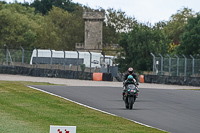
{"x":93,"y":31}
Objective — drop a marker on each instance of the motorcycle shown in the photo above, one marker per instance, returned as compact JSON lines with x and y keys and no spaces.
{"x":130,"y":96}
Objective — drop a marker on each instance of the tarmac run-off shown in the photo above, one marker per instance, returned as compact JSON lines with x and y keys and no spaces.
{"x":76,"y":82}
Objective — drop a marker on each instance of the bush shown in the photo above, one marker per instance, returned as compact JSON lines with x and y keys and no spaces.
{"x":82,"y":67}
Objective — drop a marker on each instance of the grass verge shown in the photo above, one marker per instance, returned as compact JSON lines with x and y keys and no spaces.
{"x":25,"y":110}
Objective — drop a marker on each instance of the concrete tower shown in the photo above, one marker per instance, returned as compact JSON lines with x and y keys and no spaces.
{"x":93,"y":30}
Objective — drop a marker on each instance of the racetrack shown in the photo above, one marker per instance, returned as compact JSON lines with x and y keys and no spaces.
{"x":175,"y":111}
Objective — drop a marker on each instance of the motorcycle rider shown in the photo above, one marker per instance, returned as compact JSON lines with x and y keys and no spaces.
{"x":129,"y":79}
{"x":130,"y":72}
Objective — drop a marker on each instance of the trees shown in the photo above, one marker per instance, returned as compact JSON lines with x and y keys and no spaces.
{"x":44,"y":6}
{"x":110,"y":36}
{"x":115,"y":23}
{"x":190,"y":43}
{"x":119,"y":20}
{"x":175,"y":27}
{"x":137,"y":46}
{"x":20,"y":26}
{"x":17,"y":26}
{"x":66,"y":29}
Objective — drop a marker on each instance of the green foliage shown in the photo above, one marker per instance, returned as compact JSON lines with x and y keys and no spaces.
{"x":44,"y":6}
{"x":82,"y":67}
{"x":2,"y":2}
{"x":18,"y":26}
{"x":110,"y":36}
{"x":115,"y":23}
{"x":175,"y":27}
{"x":190,"y":44}
{"x":119,"y":20}
{"x":137,"y":46}
{"x":61,"y":30}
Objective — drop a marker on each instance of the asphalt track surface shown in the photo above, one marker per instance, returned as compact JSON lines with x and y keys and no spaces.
{"x":176,"y":111}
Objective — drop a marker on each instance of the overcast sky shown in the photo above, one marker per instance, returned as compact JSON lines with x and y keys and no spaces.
{"x":143,"y":10}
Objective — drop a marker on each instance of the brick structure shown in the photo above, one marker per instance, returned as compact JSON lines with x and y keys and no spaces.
{"x":93,"y":31}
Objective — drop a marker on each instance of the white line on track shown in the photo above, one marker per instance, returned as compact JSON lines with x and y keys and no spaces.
{"x":92,"y":107}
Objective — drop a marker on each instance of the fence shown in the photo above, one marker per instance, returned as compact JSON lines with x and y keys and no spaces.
{"x":176,"y":66}
{"x":57,"y":60}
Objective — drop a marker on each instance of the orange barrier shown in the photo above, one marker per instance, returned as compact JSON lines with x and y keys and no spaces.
{"x":97,"y":76}
{"x":141,"y":78}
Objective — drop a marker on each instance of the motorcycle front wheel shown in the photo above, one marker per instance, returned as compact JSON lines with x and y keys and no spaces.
{"x":126,"y":102}
{"x":131,"y":101}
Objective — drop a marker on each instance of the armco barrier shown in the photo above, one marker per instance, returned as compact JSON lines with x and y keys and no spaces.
{"x":102,"y":77}
{"x":174,"y":80}
{"x":45,"y":72}
{"x":107,"y":77}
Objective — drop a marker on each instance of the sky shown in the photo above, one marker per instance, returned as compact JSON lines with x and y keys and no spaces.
{"x":144,"y":11}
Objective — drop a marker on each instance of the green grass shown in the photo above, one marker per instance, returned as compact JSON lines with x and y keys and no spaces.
{"x":25,"y":110}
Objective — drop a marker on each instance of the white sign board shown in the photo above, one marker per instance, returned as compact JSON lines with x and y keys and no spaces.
{"x":62,"y":129}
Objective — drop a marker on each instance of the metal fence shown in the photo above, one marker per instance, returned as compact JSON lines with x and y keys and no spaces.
{"x":21,"y":57}
{"x":176,"y":65}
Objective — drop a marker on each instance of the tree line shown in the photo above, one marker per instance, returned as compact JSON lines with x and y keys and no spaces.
{"x":58,"y":24}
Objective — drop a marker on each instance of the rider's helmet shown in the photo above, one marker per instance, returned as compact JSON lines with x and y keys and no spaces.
{"x":130,"y":70}
{"x":130,"y":78}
